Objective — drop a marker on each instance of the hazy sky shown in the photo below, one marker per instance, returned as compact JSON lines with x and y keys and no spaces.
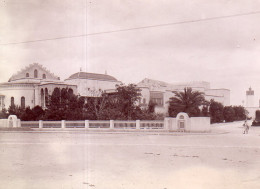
{"x":224,"y":52}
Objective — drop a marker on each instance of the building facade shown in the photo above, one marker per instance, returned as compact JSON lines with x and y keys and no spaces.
{"x":32,"y":86}
{"x":160,"y":93}
{"x":92,"y":84}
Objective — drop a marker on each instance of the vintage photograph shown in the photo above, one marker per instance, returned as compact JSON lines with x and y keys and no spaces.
{"x":129,"y":94}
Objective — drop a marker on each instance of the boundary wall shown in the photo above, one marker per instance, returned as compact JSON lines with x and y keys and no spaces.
{"x":182,"y":123}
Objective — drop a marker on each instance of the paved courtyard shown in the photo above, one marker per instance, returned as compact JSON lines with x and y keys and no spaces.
{"x":224,"y":158}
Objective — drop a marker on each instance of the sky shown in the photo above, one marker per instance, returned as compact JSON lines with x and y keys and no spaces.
{"x":224,"y":51}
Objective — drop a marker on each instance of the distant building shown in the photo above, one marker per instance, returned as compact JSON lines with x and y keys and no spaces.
{"x":250,"y":98}
{"x":250,"y":105}
{"x":30,"y":87}
{"x":160,"y":92}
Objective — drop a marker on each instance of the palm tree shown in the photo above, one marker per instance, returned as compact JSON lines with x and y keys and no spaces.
{"x":187,"y":101}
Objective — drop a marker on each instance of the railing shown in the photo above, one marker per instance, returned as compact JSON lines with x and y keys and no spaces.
{"x":30,"y":124}
{"x":95,"y":124}
{"x":99,"y":124}
{"x":51,"y":124}
{"x":125,"y":124}
{"x":75,"y":124}
{"x":147,"y":124}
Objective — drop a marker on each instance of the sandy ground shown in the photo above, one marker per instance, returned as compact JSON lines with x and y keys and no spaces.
{"x":224,"y":158}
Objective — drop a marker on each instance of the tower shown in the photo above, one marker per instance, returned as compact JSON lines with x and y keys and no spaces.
{"x":250,"y":98}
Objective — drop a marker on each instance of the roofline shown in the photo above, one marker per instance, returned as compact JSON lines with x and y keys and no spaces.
{"x":93,"y":79}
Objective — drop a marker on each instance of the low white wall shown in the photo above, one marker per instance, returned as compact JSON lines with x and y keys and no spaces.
{"x":200,"y":124}
{"x":3,"y":123}
{"x":193,"y":124}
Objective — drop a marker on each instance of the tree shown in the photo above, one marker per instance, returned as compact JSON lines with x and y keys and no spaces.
{"x":64,"y":105}
{"x":216,"y":112}
{"x":229,"y":113}
{"x":127,"y":97}
{"x":151,"y":106}
{"x":240,"y":113}
{"x":187,"y":101}
{"x":3,"y":114}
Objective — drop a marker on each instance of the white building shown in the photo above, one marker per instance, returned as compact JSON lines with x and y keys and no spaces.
{"x":32,"y":86}
{"x":92,"y":84}
{"x":160,"y":92}
{"x":250,"y":105}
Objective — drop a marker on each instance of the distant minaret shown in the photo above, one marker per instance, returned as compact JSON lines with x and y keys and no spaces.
{"x":250,"y":98}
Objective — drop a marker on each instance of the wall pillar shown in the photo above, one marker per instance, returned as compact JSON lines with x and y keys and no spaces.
{"x":87,"y":124}
{"x":40,"y":124}
{"x":111,"y":124}
{"x":137,"y":124}
{"x":166,"y":123}
{"x":18,"y":123}
{"x":63,"y":124}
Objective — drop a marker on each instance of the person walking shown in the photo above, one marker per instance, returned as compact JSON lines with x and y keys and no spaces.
{"x":246,"y":127}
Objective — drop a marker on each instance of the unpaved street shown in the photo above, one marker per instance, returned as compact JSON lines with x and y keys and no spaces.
{"x":224,"y":158}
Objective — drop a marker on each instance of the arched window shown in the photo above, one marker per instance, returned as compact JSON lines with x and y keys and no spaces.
{"x":12,"y":101}
{"x":35,"y":73}
{"x":22,"y":102}
{"x":27,"y":75}
{"x":70,"y":91}
{"x":44,"y":76}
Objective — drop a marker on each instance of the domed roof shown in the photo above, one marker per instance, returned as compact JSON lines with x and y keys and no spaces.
{"x":94,"y":76}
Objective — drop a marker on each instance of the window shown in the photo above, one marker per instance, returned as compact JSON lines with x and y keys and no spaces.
{"x":42,"y":98}
{"x":181,"y":117}
{"x":35,"y":73}
{"x":22,"y":102}
{"x":157,"y":101}
{"x":27,"y":75}
{"x":144,"y":101}
{"x":44,"y":76}
{"x":12,"y":101}
{"x":70,"y":91}
{"x":46,"y":97}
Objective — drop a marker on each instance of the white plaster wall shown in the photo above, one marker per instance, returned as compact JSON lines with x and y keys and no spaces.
{"x":3,"y":123}
{"x":200,"y":124}
{"x":17,"y":93}
{"x":251,"y":111}
{"x":160,"y":110}
{"x":171,"y":123}
{"x":30,"y":69}
{"x":193,"y":124}
{"x":250,"y":101}
{"x":85,"y":87}
{"x":145,"y":92}
{"x":220,"y":95}
{"x":215,"y":98}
